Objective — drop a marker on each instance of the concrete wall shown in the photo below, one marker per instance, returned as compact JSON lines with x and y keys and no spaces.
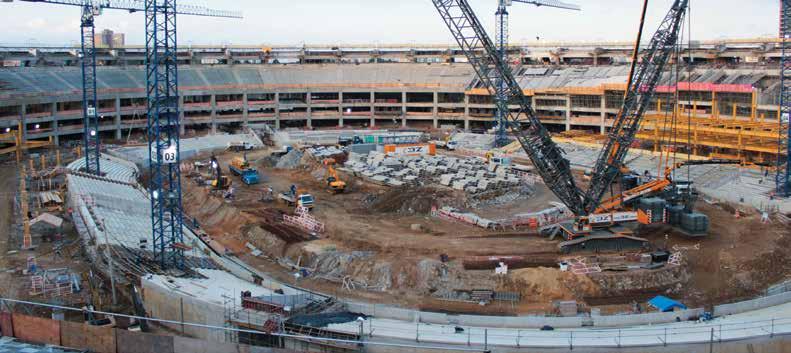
{"x":389,"y":312}
{"x":170,"y":305}
{"x":753,"y":304}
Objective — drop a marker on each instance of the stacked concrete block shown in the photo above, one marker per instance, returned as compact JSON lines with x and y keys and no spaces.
{"x":471,"y":175}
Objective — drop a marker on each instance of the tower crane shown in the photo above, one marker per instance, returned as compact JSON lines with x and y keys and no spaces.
{"x":783,"y":177}
{"x":534,"y":138}
{"x":162,"y":93}
{"x":90,"y":103}
{"x":501,"y":23}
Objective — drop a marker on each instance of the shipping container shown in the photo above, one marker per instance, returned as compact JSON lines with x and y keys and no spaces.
{"x":412,"y":149}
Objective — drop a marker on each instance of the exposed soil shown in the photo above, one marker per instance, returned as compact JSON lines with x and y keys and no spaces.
{"x":384,"y":242}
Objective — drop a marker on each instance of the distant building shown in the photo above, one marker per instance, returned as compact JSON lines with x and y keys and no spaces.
{"x":108,"y":38}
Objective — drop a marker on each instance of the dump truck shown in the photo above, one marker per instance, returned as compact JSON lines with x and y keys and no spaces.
{"x":295,"y":198}
{"x":301,"y":200}
{"x":241,"y":167}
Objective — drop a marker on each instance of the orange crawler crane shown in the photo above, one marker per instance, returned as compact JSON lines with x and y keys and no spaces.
{"x":334,"y":182}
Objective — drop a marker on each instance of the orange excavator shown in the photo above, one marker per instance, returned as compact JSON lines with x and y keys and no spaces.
{"x":334,"y":182}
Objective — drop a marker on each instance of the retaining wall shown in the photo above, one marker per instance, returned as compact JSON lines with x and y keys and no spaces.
{"x":753,"y":304}
{"x":111,"y":340}
{"x":162,"y":303}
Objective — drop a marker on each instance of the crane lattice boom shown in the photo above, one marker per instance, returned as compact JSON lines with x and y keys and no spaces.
{"x":545,"y":155}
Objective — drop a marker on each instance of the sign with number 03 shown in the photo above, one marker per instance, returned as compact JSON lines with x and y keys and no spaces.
{"x":170,"y":155}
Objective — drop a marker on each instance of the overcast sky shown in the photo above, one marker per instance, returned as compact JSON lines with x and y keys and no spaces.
{"x":398,"y":21}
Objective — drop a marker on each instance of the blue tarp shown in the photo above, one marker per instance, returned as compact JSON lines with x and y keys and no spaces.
{"x":665,"y":304}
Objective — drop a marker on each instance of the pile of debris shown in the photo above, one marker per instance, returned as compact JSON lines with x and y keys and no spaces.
{"x":471,"y":175}
{"x":290,"y":160}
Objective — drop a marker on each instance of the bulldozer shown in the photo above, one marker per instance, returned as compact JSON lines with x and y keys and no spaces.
{"x":335,"y":184}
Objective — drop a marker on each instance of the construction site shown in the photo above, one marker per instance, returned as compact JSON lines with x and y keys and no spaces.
{"x":483,"y":196}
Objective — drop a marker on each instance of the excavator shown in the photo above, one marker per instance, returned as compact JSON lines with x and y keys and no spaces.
{"x":336,"y":185}
{"x":220,"y":181}
{"x":546,"y":156}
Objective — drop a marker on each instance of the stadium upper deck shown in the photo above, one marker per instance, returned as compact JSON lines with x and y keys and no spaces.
{"x":735,"y":105}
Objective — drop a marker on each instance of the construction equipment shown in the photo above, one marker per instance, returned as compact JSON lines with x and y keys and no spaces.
{"x":295,"y":198}
{"x":163,"y":129}
{"x":501,"y":34}
{"x":90,"y":106}
{"x":783,"y":175}
{"x":334,"y":182}
{"x":219,"y":181}
{"x":535,"y":140}
{"x":241,"y":167}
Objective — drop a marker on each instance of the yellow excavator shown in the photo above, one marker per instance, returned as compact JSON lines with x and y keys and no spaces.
{"x":220,"y":182}
{"x":334,"y":182}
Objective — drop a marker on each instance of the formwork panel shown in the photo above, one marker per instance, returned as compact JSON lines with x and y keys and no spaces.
{"x":134,"y":342}
{"x":36,"y":329}
{"x":92,"y":338}
{"x":6,"y":325}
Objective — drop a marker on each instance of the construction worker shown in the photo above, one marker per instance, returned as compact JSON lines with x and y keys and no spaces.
{"x":293,"y":190}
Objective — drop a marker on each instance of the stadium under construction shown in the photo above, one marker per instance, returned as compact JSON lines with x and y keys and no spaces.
{"x":481,"y":196}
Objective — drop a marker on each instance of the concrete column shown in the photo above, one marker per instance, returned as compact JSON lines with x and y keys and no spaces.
{"x":182,"y":121}
{"x":55,"y":127}
{"x":568,"y":113}
{"x":373,"y":110}
{"x":213,"y":114}
{"x":309,"y":101}
{"x":340,"y":109}
{"x":277,"y":110}
{"x":603,"y":129}
{"x":118,"y":131}
{"x":23,"y":119}
{"x":435,"y":110}
{"x":245,"y":110}
{"x":466,"y":113}
{"x":403,"y":109}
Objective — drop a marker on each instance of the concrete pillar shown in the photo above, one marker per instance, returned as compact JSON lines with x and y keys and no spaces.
{"x":118,"y":131}
{"x":55,"y":126}
{"x":568,"y":113}
{"x":23,"y":119}
{"x":213,"y":114}
{"x":603,"y":114}
{"x":309,"y":101}
{"x":340,"y":109}
{"x":403,"y":109}
{"x":373,"y":110}
{"x":466,"y":113}
{"x":182,"y":121}
{"x":435,"y":110}
{"x":245,"y":110}
{"x":277,"y":110}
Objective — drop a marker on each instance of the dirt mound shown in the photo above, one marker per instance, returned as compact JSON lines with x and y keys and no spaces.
{"x":548,"y":284}
{"x":407,"y":200}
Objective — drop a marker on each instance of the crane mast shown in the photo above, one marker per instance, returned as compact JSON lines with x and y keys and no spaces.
{"x":501,"y":35}
{"x":482,"y":53}
{"x":90,"y":102}
{"x":534,"y":138}
{"x":783,"y":174}
{"x":638,"y":98}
